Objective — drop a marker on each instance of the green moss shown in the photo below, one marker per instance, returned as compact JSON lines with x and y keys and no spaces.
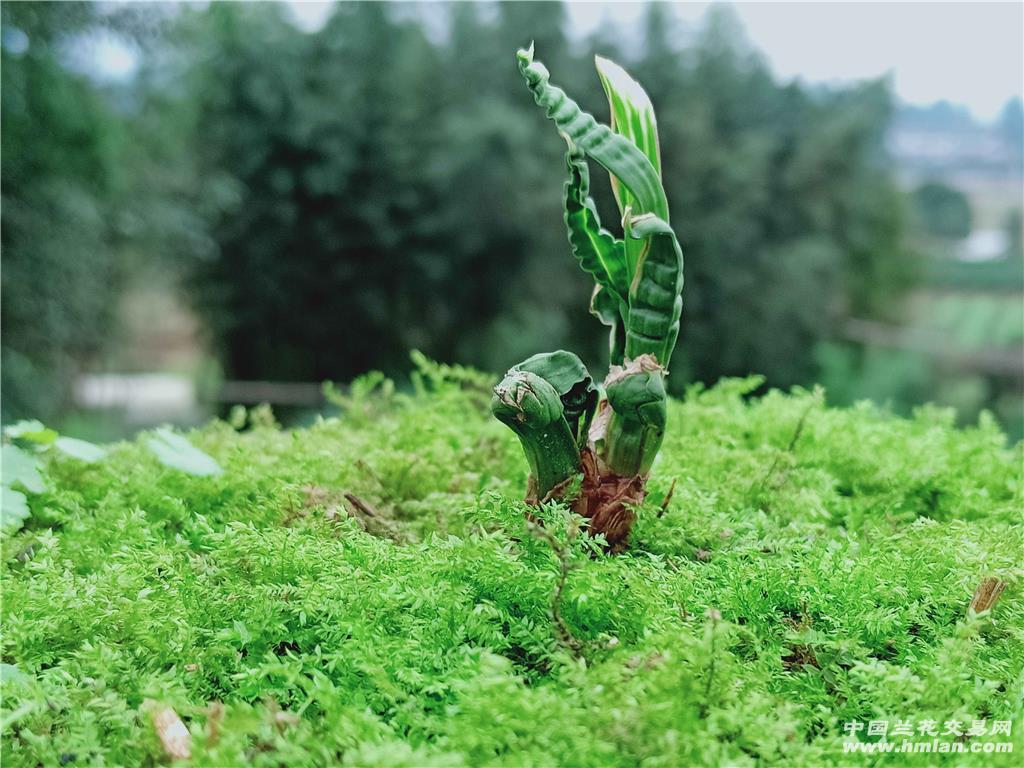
{"x":839,"y":547}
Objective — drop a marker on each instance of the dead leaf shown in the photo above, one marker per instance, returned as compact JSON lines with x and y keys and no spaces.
{"x":174,"y":736}
{"x":986,"y":595}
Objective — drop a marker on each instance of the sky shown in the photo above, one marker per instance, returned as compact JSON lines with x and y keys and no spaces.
{"x":969,"y":53}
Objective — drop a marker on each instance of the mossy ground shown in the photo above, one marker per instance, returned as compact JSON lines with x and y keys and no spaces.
{"x":839,"y":547}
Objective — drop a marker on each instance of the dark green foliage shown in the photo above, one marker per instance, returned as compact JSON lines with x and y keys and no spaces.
{"x":60,"y":188}
{"x":942,"y":211}
{"x":839,"y":547}
{"x":394,"y":190}
{"x":398,"y":192}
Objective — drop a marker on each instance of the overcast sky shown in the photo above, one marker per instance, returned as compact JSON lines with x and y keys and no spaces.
{"x":970,"y":53}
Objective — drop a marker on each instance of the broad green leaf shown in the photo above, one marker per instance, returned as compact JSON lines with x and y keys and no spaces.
{"x":175,"y":451}
{"x":14,"y":509}
{"x":79,"y":449}
{"x":31,"y":430}
{"x":599,"y":253}
{"x":655,"y":300}
{"x":20,"y":467}
{"x":632,"y":116}
{"x":615,"y":153}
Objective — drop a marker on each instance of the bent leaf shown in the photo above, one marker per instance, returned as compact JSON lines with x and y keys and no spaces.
{"x":569,"y":377}
{"x":532,"y":408}
{"x":176,"y":452}
{"x":79,"y":449}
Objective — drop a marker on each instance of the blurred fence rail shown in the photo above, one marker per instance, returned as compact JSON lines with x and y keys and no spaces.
{"x":152,"y":398}
{"x":273,"y":392}
{"x":994,"y":361}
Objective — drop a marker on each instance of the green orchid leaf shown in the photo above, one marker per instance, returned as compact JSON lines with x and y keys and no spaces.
{"x":174,"y":451}
{"x":532,"y":408}
{"x":632,"y":116}
{"x":569,"y":377}
{"x":14,"y":509}
{"x":609,"y":309}
{"x":79,"y":449}
{"x":599,"y":253}
{"x":655,"y":300}
{"x":20,"y":467}
{"x":616,"y":154}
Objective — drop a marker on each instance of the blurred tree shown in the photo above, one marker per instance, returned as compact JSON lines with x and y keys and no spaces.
{"x":1011,"y":127}
{"x":388,"y":187}
{"x":336,"y":197}
{"x":1013,"y":224}
{"x":942,"y":211}
{"x":61,"y":186}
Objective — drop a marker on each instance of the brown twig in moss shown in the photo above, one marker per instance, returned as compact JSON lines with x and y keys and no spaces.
{"x":562,"y":631}
{"x":790,"y":447}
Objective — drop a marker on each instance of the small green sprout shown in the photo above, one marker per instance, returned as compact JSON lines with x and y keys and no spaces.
{"x":550,"y":401}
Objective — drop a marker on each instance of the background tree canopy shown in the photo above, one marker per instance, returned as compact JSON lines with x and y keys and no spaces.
{"x":329,"y":200}
{"x":397,"y":193}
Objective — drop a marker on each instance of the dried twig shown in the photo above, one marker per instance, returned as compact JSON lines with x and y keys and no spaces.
{"x":801,"y":422}
{"x":565,"y":636}
{"x":668,"y":497}
{"x":361,"y":506}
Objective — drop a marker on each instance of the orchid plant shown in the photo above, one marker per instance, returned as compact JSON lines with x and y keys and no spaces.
{"x":567,"y":425}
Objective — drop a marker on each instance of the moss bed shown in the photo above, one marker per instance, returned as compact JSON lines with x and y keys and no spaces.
{"x":366,"y":592}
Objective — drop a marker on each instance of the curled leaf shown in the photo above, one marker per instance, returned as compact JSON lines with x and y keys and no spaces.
{"x":599,"y":253}
{"x":569,"y":377}
{"x":616,"y":154}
